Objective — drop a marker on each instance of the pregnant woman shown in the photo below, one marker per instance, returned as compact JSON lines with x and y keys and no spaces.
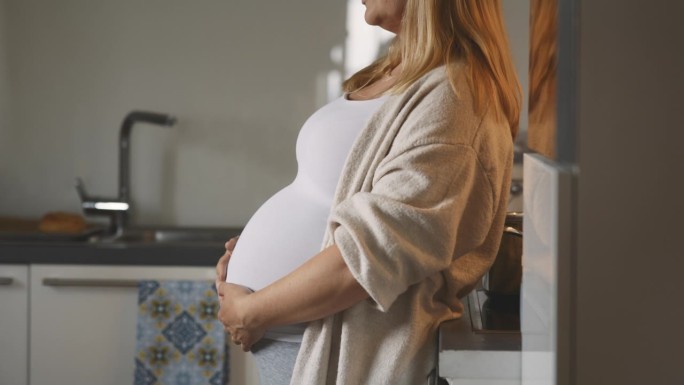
{"x":288,"y":228}
{"x":397,"y":210}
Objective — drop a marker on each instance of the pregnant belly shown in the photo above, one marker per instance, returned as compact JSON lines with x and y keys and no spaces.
{"x":284,"y":232}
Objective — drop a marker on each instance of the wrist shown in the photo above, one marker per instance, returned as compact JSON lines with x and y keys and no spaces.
{"x":251,"y":312}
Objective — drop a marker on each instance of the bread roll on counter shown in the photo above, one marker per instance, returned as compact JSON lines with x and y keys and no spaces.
{"x":61,"y":222}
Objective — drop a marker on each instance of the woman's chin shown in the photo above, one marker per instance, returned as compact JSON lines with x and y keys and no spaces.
{"x":370,"y":19}
{"x":375,"y":21}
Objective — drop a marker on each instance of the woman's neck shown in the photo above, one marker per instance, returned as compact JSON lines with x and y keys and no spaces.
{"x":378,"y":87}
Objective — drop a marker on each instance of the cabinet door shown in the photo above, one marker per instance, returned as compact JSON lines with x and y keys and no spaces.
{"x":86,"y":335}
{"x":14,"y":320}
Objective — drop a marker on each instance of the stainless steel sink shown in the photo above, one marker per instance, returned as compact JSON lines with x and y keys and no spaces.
{"x":168,"y":235}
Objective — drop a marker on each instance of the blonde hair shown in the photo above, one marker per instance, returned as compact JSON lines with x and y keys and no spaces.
{"x":440,"y":32}
{"x":541,"y":130}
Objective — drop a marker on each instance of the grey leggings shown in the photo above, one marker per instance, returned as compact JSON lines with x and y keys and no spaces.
{"x":275,"y":360}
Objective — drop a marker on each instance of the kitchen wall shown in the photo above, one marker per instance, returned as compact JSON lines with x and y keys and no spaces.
{"x":4,"y":84}
{"x":240,"y":76}
{"x":517,"y":19}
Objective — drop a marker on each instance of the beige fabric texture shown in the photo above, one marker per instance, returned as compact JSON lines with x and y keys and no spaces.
{"x":418,"y":216}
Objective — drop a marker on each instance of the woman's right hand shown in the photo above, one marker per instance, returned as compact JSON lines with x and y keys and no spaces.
{"x":222,"y":265}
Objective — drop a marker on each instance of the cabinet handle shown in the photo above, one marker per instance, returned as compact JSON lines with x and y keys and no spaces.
{"x":6,"y":281}
{"x":89,"y":282}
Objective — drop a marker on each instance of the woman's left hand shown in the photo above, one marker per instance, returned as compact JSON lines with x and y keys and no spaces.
{"x":233,"y":315}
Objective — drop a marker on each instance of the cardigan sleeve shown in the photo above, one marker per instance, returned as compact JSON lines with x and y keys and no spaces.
{"x":427,"y":205}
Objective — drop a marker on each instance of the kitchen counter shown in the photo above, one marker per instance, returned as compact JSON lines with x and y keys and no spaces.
{"x":195,"y":254}
{"x":484,"y":345}
{"x":168,"y":253}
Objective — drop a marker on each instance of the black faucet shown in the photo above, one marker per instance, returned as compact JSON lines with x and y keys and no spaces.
{"x":117,"y":209}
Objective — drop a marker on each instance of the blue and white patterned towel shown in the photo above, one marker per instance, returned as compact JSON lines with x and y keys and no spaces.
{"x":179,"y":339}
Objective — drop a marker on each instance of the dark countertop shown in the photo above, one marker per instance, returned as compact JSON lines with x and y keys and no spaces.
{"x":156,"y":246}
{"x":167,"y":254}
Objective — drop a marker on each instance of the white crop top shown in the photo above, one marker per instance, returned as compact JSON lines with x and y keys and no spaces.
{"x":288,"y":228}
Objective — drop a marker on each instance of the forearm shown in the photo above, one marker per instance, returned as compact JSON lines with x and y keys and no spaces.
{"x":322,"y":286}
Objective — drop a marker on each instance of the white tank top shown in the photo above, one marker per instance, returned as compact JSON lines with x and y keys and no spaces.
{"x":288,"y":228}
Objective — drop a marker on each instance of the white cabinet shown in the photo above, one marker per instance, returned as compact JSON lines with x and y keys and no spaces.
{"x":14,"y":299}
{"x":76,"y":324}
{"x":86,"y":334}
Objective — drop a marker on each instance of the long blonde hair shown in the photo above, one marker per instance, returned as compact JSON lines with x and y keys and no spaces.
{"x":439,"y":32}
{"x":541,"y":130}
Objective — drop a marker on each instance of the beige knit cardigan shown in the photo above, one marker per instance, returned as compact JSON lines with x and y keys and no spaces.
{"x":418,"y":217}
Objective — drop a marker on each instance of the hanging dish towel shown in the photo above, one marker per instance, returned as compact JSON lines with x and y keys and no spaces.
{"x":179,"y":339}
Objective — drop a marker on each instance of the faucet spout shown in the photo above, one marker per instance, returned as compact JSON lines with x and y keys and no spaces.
{"x":125,"y":144}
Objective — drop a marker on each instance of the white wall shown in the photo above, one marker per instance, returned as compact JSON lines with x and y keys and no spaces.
{"x":517,"y":19}
{"x":4,"y":85}
{"x":241,"y":77}
{"x":630,"y":220}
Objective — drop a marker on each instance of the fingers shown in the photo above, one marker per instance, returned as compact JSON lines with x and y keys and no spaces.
{"x":220,"y":275}
{"x":222,"y":264}
{"x":220,"y":288}
{"x":235,"y":339}
{"x":239,"y":338}
{"x":230,"y":245}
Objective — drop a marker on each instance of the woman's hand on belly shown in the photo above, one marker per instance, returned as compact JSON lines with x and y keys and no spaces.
{"x":322,"y":286}
{"x":231,"y":299}
{"x":222,"y":265}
